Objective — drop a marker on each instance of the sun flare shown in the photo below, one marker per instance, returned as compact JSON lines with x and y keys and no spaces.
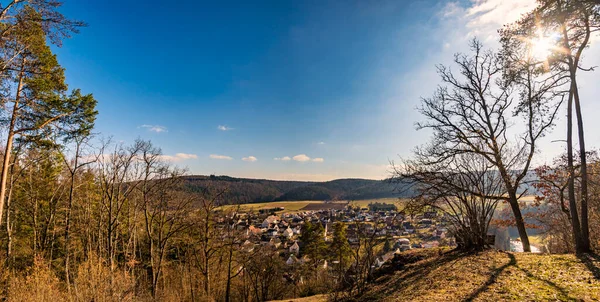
{"x":541,"y":47}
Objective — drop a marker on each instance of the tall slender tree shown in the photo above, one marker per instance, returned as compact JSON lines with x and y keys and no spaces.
{"x":569,"y":24}
{"x":35,"y":92}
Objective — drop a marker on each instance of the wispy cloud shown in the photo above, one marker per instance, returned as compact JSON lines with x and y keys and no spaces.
{"x":224,"y":128}
{"x":318,"y":160}
{"x":484,"y":17}
{"x":222,"y":157}
{"x":250,"y":158}
{"x":179,"y":157}
{"x":155,"y":128}
{"x":321,"y":143}
{"x":285,"y":158}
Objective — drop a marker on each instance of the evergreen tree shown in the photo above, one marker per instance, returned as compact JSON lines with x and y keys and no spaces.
{"x":387,"y":246}
{"x":313,"y":238}
{"x":35,"y":94}
{"x":340,"y":247}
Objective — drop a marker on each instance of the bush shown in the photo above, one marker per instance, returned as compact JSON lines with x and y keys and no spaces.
{"x":37,"y":285}
{"x":94,"y":282}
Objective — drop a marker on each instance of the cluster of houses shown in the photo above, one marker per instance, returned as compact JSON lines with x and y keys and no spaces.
{"x":282,"y":231}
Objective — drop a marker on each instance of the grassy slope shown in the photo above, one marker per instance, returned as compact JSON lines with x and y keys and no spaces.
{"x":488,"y":276}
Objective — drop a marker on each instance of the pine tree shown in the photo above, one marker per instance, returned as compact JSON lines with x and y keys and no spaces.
{"x":313,"y":239}
{"x":35,"y":93}
{"x":340,"y":247}
{"x":387,"y":246}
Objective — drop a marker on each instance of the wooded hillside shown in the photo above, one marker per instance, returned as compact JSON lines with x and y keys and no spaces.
{"x":246,"y":190}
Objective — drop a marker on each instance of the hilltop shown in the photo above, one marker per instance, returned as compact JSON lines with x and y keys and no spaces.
{"x":438,"y":275}
{"x":247,"y":190}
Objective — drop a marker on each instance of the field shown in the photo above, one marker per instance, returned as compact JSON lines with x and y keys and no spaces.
{"x":315,"y":205}
{"x":309,"y":205}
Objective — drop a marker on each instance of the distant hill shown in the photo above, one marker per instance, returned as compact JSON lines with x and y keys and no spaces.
{"x":247,"y":190}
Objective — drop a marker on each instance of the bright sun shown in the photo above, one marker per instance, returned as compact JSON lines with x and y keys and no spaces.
{"x":541,"y":47}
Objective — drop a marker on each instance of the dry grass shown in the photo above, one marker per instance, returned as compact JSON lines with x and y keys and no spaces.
{"x":489,"y":276}
{"x":39,"y":284}
{"x":317,"y":298}
{"x":96,"y":282}
{"x":290,"y":206}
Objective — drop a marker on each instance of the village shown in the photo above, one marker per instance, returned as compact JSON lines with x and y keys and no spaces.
{"x":392,"y":231}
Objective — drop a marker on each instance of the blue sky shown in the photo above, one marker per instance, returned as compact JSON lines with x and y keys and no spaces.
{"x":234,"y":88}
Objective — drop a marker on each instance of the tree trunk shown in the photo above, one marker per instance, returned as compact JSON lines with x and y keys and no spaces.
{"x":9,"y":142}
{"x":585,"y":229}
{"x":68,"y":219}
{"x":206,"y":276}
{"x":514,"y":204}
{"x":571,"y":185}
{"x":228,"y":287}
{"x":9,"y":228}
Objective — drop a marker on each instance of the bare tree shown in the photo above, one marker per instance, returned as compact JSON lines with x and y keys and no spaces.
{"x":118,"y":178}
{"x":365,"y":239}
{"x":165,"y":206}
{"x":232,"y":245}
{"x":460,"y":188}
{"x":79,"y":160}
{"x":208,"y":245}
{"x":471,"y":115}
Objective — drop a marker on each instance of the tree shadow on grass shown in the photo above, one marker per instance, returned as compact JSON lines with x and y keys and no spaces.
{"x":562,"y":291}
{"x":492,"y":279}
{"x":592,"y":262}
{"x":418,"y":271}
{"x":513,"y":262}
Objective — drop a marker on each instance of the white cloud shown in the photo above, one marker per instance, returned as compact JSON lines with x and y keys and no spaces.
{"x":178,"y":157}
{"x":485,"y":17}
{"x":250,"y":158}
{"x":224,"y":128}
{"x":321,"y":143}
{"x":186,"y":156}
{"x":301,"y":158}
{"x":155,"y":128}
{"x":451,"y":9}
{"x":217,"y":156}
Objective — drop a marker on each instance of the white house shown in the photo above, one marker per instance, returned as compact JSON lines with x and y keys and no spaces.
{"x":274,"y":242}
{"x":403,"y":241}
{"x":379,"y":262}
{"x":269,"y":220}
{"x":297,"y":230}
{"x":248,"y":246}
{"x":295,"y":248}
{"x":288,"y":233}
{"x":291,"y":260}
